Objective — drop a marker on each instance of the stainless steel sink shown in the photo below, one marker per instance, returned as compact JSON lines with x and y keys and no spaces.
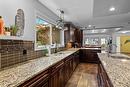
{"x":58,"y":54}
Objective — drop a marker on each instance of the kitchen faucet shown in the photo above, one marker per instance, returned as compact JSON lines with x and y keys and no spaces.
{"x":110,"y":49}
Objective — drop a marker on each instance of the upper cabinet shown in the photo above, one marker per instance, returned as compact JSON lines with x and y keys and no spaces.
{"x":69,"y":33}
{"x":72,"y":34}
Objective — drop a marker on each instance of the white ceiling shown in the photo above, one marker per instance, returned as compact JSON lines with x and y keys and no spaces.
{"x":92,"y":12}
{"x":76,"y":11}
{"x":101,"y":7}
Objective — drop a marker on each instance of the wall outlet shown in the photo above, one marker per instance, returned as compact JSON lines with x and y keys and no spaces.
{"x":24,"y":52}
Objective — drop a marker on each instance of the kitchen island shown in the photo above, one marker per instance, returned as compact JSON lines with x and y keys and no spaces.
{"x":117,"y":69}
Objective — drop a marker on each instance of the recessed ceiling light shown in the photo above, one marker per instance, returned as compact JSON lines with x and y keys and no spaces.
{"x":104,"y":30}
{"x":112,"y":9}
{"x":89,"y":25}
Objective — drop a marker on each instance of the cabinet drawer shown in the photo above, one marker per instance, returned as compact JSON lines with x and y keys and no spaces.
{"x":68,"y":59}
{"x":40,"y":79}
{"x":57,"y":66}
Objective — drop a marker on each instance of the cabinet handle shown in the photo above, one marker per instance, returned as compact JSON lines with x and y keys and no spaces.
{"x":59,"y":65}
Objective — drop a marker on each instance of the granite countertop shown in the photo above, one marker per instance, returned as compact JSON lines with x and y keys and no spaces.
{"x":118,"y":69}
{"x":19,"y":73}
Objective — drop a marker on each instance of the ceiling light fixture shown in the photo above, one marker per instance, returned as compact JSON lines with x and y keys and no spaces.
{"x":112,"y":9}
{"x":89,"y":25}
{"x":60,"y":21}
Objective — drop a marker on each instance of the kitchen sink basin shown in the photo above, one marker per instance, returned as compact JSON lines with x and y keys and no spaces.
{"x":58,"y":54}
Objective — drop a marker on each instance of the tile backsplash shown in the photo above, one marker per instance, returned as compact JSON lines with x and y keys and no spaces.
{"x":17,"y":51}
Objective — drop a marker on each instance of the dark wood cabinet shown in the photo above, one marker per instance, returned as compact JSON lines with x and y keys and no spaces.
{"x":75,"y":60}
{"x":41,"y":80}
{"x":69,"y":32}
{"x":78,"y":36}
{"x":89,"y":55}
{"x":73,"y":34}
{"x":57,"y":75}
{"x":68,"y":67}
{"x":103,"y":79}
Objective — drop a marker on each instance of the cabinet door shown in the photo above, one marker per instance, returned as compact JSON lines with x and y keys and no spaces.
{"x":83,"y":55}
{"x":55,"y":79}
{"x":88,"y":55}
{"x":67,"y":71}
{"x":42,"y":84}
{"x":74,"y":63}
{"x":61,"y":77}
{"x":68,"y":68}
{"x":71,"y":67}
{"x":57,"y":76}
{"x":45,"y":85}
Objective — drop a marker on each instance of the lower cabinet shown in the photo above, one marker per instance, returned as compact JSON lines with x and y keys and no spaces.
{"x":68,"y":68}
{"x":89,"y":55}
{"x":103,"y":79}
{"x":75,"y":60}
{"x":55,"y":76}
{"x":45,"y":84}
{"x":59,"y":74}
{"x":41,"y":80}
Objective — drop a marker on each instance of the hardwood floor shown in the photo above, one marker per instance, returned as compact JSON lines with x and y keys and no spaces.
{"x":85,"y":75}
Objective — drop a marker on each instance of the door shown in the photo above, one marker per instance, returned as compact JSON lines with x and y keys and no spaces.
{"x":125,"y":44}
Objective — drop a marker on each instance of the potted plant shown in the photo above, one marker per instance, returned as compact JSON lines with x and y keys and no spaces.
{"x":14,"y":30}
{"x":7,"y":31}
{"x":46,"y":52}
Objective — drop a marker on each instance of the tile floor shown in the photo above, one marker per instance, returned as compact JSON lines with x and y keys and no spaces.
{"x":85,"y":75}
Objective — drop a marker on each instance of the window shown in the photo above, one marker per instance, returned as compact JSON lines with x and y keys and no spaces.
{"x":103,"y":41}
{"x":42,"y":32}
{"x":92,"y":41}
{"x":47,"y":35}
{"x":55,"y":35}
